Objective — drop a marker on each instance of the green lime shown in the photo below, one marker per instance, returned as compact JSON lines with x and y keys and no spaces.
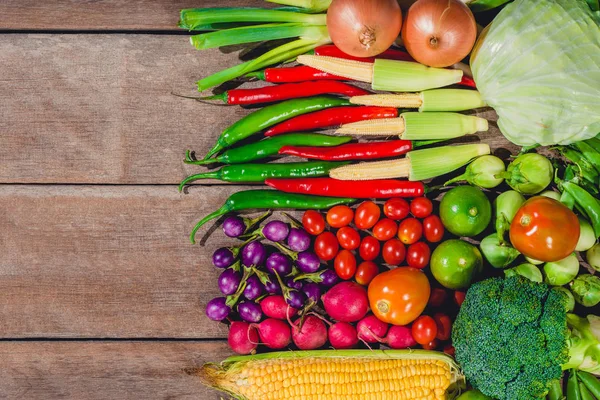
{"x":473,"y":395}
{"x":465,"y":211}
{"x":455,"y":263}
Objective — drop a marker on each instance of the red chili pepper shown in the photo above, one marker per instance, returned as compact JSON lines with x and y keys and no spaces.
{"x":467,"y":81}
{"x":331,"y":50}
{"x":332,"y":117}
{"x":300,"y":73}
{"x":376,"y":189}
{"x":270,"y":94}
{"x":351,"y":151}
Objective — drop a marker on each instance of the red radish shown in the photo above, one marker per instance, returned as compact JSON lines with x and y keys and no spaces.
{"x":312,"y":335}
{"x":346,"y":302}
{"x":276,"y":307}
{"x":242,"y":338}
{"x":400,"y":337}
{"x":371,"y":329}
{"x":274,"y":333}
{"x":342,"y":335}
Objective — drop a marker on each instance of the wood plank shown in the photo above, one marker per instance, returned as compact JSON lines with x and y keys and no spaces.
{"x":105,"y":370}
{"x":99,"y":108}
{"x":106,"y":262}
{"x":118,"y":15}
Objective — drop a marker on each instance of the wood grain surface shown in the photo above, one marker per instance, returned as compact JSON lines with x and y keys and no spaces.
{"x":106,"y":370}
{"x":106,"y":15}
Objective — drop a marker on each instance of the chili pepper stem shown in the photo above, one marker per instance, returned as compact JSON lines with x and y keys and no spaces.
{"x":216,"y":214}
{"x":260,"y":75}
{"x":195,"y":177}
{"x":216,"y":148}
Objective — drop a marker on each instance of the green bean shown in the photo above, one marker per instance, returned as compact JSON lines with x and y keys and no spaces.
{"x":573,"y":392}
{"x":588,"y":203}
{"x":589,"y":153}
{"x":556,"y":391}
{"x":585,"y":393}
{"x":591,"y":382}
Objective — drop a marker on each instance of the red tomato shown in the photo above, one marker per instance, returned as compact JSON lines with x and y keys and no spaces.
{"x":433,"y":229}
{"x":424,"y":329}
{"x":410,"y":231}
{"x":444,"y":326}
{"x":393,"y":252}
{"x":345,"y":264}
{"x":431,"y":345}
{"x":367,"y":214}
{"x":544,"y":229}
{"x":438,"y":297}
{"x":348,"y":238}
{"x":367,"y":270}
{"x":326,"y":246}
{"x":459,"y":297}
{"x":396,"y":208}
{"x":339,"y":216}
{"x":385,"y":229}
{"x":449,"y":349}
{"x":313,"y":222}
{"x":369,"y":248}
{"x":417,"y":255}
{"x":421,"y":207}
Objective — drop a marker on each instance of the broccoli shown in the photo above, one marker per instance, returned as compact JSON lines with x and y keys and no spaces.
{"x":513,"y":338}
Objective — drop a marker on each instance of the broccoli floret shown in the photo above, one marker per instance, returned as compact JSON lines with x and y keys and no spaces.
{"x":511,"y":337}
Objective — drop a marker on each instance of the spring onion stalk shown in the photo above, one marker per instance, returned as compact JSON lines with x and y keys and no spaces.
{"x":252,"y":34}
{"x":418,"y":165}
{"x":440,"y":125}
{"x":277,"y":55}
{"x":406,"y":76}
{"x":305,"y":5}
{"x":193,"y":18}
{"x":451,"y":100}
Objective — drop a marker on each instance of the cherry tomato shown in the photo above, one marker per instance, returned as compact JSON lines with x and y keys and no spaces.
{"x":459,"y":297}
{"x":400,"y":295}
{"x":418,"y":255}
{"x":326,"y":246}
{"x":410,"y":231}
{"x":348,"y":237}
{"x":424,"y":329}
{"x":345,"y":264}
{"x":313,"y":222}
{"x":367,"y":270}
{"x":444,"y":326}
{"x":339,"y":216}
{"x":431,"y":345}
{"x":393,"y":252}
{"x":421,"y":207}
{"x":433,"y":229}
{"x":396,"y":208}
{"x":385,"y":229}
{"x":449,"y":349}
{"x":438,"y":297}
{"x":544,"y":229}
{"x":369,"y":248}
{"x":367,"y":214}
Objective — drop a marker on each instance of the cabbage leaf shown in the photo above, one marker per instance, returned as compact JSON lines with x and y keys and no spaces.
{"x":538,"y":66}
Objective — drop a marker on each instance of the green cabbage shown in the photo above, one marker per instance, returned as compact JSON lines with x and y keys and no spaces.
{"x":538,"y":66}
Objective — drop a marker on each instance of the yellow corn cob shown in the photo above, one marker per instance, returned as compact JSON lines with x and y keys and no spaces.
{"x":330,"y":375}
{"x":355,"y":70}
{"x":374,"y":127}
{"x":400,"y":100}
{"x":367,"y":171}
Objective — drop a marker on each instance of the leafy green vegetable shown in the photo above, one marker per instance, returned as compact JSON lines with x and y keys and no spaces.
{"x":512,"y":338}
{"x":538,"y":66}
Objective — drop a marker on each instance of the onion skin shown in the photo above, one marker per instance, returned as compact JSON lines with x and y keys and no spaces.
{"x":364,"y":28}
{"x":439,"y":33}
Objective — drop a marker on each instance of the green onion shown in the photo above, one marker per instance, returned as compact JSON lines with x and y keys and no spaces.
{"x":252,"y":34}
{"x":451,"y":100}
{"x":440,"y":125}
{"x":406,"y":76}
{"x":193,"y":18}
{"x":305,"y":5}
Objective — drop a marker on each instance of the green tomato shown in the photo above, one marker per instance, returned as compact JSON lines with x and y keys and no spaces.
{"x":455,"y":263}
{"x":561,"y":272}
{"x":587,"y":237}
{"x":465,"y":211}
{"x":525,"y":270}
{"x":533,"y":261}
{"x":551,"y":194}
{"x":529,"y":173}
{"x":497,"y":254}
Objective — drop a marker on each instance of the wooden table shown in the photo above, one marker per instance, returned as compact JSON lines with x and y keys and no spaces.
{"x":101,"y":294}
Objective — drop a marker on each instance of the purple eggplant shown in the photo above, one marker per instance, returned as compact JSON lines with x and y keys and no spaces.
{"x":250,"y":311}
{"x":229,"y":281}
{"x":308,"y":262}
{"x":312,"y":291}
{"x":295,"y":298}
{"x":292,"y":284}
{"x":254,"y":254}
{"x":254,"y":288}
{"x":234,"y":226}
{"x":224,"y":257}
{"x":217,"y":309}
{"x":326,"y":277}
{"x":276,"y":231}
{"x":279,"y":263}
{"x":298,"y":240}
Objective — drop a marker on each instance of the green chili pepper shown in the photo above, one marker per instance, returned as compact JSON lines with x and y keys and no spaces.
{"x":556,"y":391}
{"x":588,"y":203}
{"x":589,"y":153}
{"x":585,"y":393}
{"x":270,"y":147}
{"x":256,"y":173}
{"x":270,"y":199}
{"x":271,"y":115}
{"x":573,"y":392}
{"x":484,"y":5}
{"x":585,"y":167}
{"x":591,"y":382}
